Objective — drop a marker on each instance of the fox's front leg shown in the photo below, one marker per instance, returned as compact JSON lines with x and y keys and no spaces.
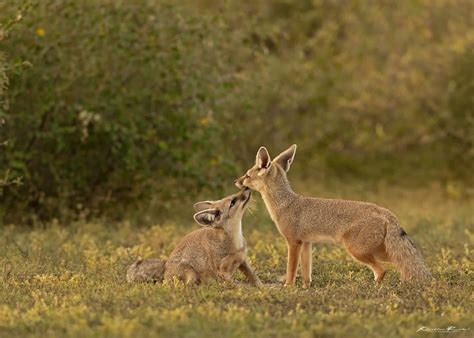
{"x":294,"y":252}
{"x":229,"y":263}
{"x":249,"y":273}
{"x":306,"y":264}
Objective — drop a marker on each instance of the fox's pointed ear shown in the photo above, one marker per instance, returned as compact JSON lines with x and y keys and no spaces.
{"x":207,"y":217}
{"x":262,"y":159}
{"x":199,"y":206}
{"x":286,"y":158}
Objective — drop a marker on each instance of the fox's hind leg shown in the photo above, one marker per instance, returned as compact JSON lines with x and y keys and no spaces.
{"x":364,"y":242}
{"x":190,"y":277}
{"x":371,"y":262}
{"x":182,"y":272}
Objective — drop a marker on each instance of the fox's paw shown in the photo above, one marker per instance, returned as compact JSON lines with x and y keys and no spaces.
{"x":272,"y":285}
{"x":224,"y":276}
{"x":289,"y":285}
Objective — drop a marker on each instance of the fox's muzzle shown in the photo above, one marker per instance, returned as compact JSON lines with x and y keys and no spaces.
{"x":239,"y":182}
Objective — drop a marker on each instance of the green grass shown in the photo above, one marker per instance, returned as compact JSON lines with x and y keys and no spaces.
{"x":69,"y":280}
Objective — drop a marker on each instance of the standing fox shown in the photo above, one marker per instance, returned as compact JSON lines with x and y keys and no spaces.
{"x":371,"y":234}
{"x":214,"y":251}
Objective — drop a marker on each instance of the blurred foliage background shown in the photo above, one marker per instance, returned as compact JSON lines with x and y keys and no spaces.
{"x":114,"y":106}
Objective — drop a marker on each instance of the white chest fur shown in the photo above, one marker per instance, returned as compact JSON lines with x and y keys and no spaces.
{"x":237,"y":236}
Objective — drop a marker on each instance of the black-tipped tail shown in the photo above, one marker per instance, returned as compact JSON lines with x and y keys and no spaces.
{"x":405,"y":255}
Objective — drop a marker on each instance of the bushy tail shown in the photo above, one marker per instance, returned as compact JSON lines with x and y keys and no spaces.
{"x":148,"y":270}
{"x":405,"y":255}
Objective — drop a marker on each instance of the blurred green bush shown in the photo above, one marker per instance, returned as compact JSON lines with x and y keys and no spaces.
{"x":7,"y":175}
{"x":367,"y":89}
{"x":131,"y":99}
{"x":119,"y":102}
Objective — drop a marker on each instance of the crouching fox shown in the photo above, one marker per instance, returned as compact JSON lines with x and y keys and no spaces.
{"x":215,"y":251}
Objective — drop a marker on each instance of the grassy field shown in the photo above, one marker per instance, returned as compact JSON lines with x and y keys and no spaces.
{"x":69,"y":280}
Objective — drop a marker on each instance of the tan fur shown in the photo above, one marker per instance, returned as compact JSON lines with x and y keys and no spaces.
{"x":212,"y":252}
{"x":148,"y":270}
{"x":371,"y":234}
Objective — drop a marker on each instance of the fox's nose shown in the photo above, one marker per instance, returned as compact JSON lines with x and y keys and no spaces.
{"x":235,"y":181}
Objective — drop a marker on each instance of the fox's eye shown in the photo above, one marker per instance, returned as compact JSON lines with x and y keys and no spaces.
{"x":232,"y":203}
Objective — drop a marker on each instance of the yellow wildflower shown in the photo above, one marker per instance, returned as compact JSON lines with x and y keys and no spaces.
{"x":204,"y":121}
{"x":40,"y":32}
